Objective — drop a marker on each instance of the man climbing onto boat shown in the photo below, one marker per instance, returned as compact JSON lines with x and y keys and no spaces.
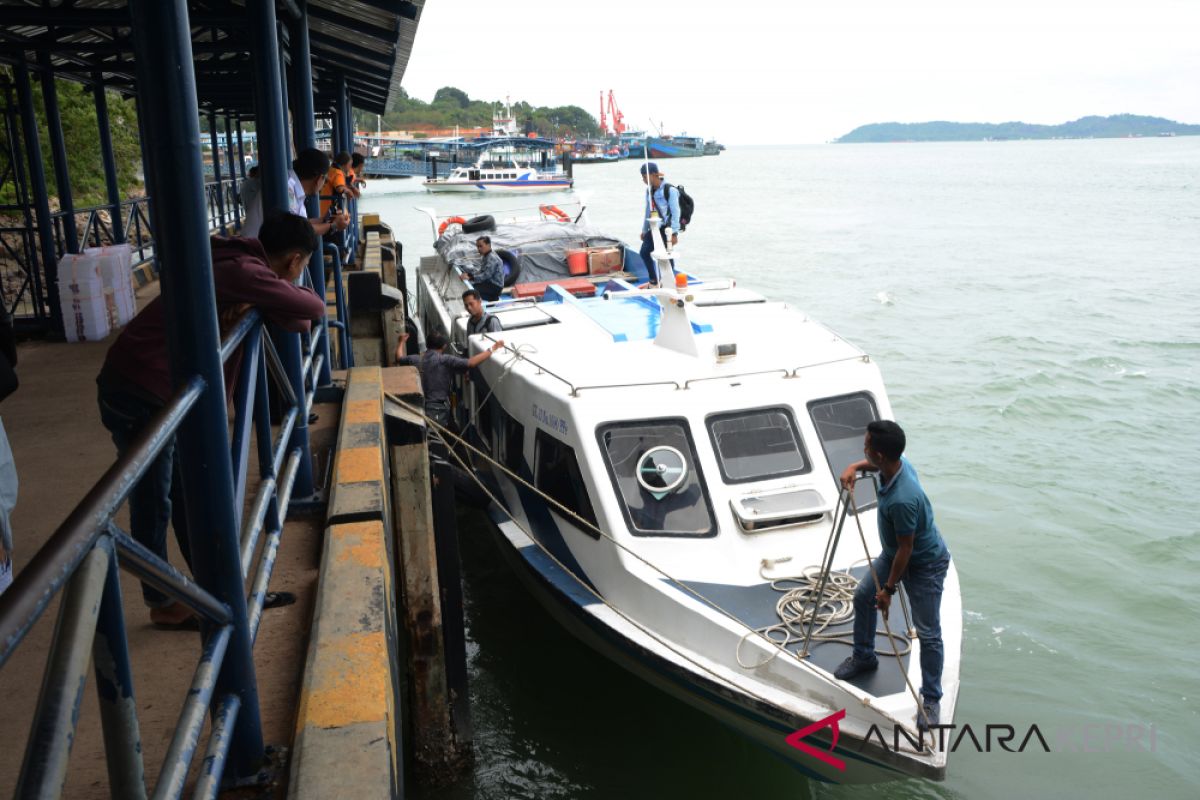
{"x":438,"y":370}
{"x":662,"y":200}
{"x":479,"y":321}
{"x":913,"y":552}
{"x":489,"y":278}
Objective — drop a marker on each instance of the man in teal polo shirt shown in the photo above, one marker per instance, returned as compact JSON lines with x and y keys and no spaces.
{"x":913,"y":552}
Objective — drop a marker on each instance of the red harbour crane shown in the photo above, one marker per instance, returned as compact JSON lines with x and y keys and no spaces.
{"x":618,"y":119}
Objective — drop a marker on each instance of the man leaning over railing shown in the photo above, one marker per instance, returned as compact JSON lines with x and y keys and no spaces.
{"x":135,"y":382}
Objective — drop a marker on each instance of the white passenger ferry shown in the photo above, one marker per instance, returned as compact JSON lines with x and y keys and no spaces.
{"x":658,"y":457}
{"x":504,"y":176}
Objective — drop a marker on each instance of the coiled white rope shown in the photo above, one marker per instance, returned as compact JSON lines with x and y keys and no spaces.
{"x":798,"y":611}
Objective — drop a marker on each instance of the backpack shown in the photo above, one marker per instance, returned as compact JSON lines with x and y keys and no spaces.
{"x":686,"y":205}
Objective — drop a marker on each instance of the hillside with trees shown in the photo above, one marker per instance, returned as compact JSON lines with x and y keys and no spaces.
{"x":1116,"y":126}
{"x":78,"y":111}
{"x":451,"y":106}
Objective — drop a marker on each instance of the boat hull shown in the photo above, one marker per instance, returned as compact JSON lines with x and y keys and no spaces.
{"x":565,"y":598}
{"x":663,"y":149}
{"x":500,"y":187}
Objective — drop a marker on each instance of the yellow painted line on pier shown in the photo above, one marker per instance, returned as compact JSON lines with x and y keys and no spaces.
{"x":348,"y":683}
{"x":360,"y":464}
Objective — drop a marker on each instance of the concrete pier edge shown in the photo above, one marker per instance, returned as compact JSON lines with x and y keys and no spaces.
{"x":348,"y":725}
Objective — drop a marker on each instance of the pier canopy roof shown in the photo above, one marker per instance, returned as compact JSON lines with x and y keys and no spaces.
{"x":368,"y":42}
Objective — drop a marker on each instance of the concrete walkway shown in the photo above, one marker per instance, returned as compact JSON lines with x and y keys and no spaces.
{"x":61,"y":450}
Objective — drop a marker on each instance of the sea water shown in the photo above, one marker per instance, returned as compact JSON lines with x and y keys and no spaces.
{"x":1035,"y":310}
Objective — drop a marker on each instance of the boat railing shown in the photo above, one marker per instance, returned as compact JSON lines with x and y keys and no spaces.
{"x":863,"y":357}
{"x":786,"y":373}
{"x":575,"y":390}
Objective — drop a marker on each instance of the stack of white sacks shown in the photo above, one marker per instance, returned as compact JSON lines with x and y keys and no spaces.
{"x":95,"y":291}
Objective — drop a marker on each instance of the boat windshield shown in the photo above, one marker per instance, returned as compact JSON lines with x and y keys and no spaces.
{"x":653,"y":467}
{"x":841,"y":424}
{"x":757,"y":445}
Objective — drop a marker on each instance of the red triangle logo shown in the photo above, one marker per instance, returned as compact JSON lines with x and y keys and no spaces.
{"x":824,"y":756}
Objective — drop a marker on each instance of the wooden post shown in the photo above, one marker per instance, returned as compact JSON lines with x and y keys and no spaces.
{"x":436,"y":747}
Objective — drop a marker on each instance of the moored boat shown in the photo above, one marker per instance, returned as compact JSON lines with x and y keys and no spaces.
{"x":675,"y":146}
{"x":505,"y":175}
{"x":659,"y":458}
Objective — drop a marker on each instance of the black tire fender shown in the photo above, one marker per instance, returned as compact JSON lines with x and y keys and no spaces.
{"x":512,"y":266}
{"x":412,"y":346}
{"x":479,"y":224}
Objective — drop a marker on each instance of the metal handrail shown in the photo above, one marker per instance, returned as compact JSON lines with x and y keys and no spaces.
{"x":81,"y":557}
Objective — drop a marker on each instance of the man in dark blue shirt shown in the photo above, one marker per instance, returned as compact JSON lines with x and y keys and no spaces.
{"x":489,"y":278}
{"x":913,"y":552}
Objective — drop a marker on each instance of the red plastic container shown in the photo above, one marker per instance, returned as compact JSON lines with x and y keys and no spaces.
{"x":577,"y":262}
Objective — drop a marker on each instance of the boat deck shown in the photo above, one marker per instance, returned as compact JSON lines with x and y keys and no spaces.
{"x":755,"y":606}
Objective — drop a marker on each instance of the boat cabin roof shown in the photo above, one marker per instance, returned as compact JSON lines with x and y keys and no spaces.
{"x":612,"y":338}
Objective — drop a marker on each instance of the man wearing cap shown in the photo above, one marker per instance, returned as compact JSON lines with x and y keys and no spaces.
{"x":662,"y":201}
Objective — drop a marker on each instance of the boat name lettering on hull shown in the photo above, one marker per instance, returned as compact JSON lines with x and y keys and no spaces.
{"x":549,"y":420}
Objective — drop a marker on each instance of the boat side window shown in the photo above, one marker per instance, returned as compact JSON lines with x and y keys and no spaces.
{"x":558,"y":475}
{"x":653,"y":467}
{"x":510,"y":441}
{"x":757,"y":445}
{"x":485,"y":410}
{"x":841,"y":424}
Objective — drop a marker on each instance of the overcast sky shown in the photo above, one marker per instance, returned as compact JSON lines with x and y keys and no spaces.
{"x":757,"y":72}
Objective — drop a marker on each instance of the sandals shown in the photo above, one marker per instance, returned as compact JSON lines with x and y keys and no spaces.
{"x":278,"y":599}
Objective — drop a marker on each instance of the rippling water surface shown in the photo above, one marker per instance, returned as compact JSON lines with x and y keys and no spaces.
{"x":1035,"y":309}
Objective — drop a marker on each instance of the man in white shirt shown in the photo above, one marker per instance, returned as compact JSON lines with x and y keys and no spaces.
{"x":306,"y":177}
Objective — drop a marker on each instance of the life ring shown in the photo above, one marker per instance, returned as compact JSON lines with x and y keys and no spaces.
{"x":448,"y":222}
{"x":556,"y":212}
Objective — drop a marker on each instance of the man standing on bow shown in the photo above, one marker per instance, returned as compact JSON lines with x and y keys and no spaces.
{"x":913,"y":554}
{"x":662,"y":202}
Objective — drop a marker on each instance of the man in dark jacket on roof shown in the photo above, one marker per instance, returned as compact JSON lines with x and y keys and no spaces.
{"x":135,"y":382}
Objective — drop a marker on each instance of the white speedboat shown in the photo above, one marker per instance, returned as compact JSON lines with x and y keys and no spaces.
{"x":504,"y":176}
{"x":657,"y":459}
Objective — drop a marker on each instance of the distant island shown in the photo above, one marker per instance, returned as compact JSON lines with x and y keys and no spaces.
{"x":1118,"y":126}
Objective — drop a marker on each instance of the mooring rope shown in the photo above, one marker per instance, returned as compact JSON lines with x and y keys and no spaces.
{"x":797,"y":609}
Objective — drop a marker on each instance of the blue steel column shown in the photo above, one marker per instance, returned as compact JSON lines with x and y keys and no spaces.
{"x":235,"y":205}
{"x":241,"y":149}
{"x":344,"y":124}
{"x":273,"y":172}
{"x":283,"y":83}
{"x":304,"y":129}
{"x":215,"y":144}
{"x":46,"y":294}
{"x":111,"y":184}
{"x":167,"y":89}
{"x":58,"y":153}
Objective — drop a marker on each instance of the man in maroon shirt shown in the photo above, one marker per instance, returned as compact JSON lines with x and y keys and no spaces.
{"x":135,"y":382}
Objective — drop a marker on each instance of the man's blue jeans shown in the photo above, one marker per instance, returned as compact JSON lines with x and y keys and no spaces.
{"x":157,"y":500}
{"x":923,"y":585}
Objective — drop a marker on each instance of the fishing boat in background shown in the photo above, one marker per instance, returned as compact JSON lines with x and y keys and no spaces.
{"x":675,"y":146}
{"x":663,"y":465}
{"x":713,"y":148}
{"x":634,"y":143}
{"x":592,"y":152}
